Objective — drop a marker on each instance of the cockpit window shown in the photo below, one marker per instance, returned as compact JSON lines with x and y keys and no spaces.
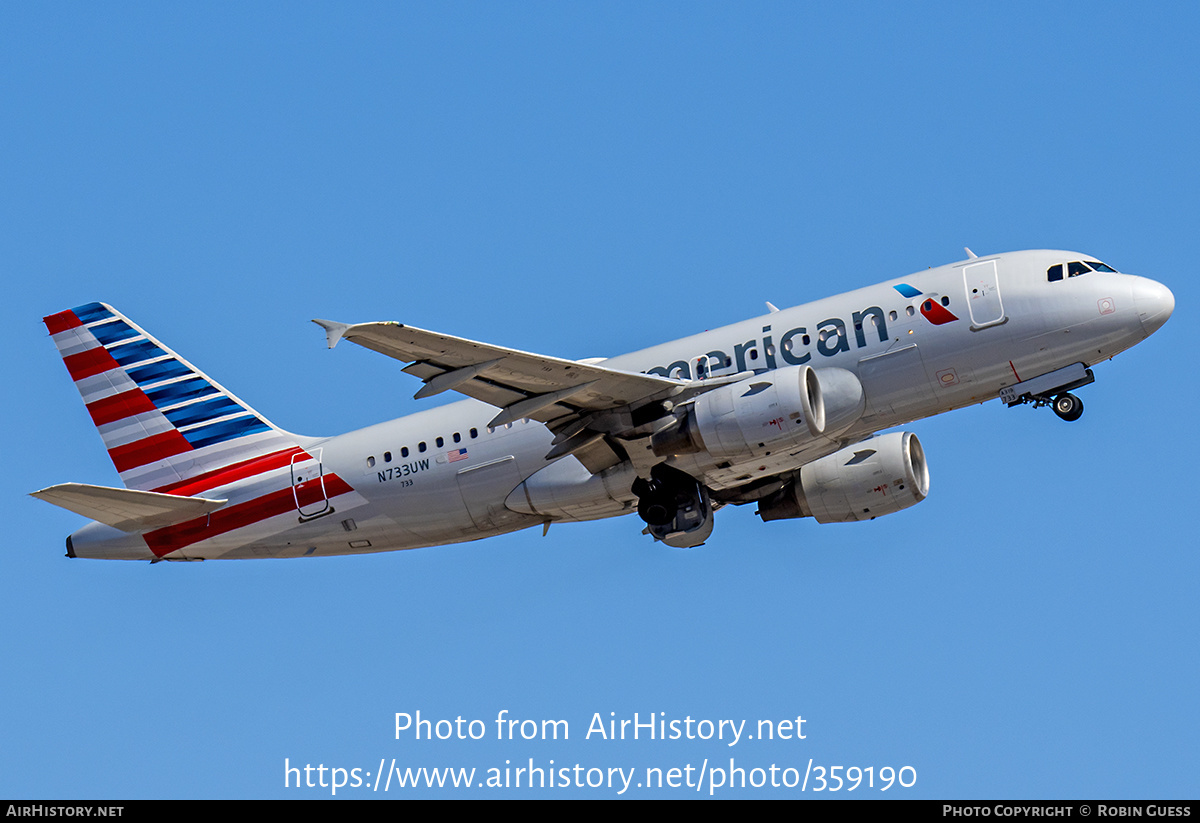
{"x":1075,"y":269}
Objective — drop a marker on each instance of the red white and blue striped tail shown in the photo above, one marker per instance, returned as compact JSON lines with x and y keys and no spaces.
{"x":168,"y":427}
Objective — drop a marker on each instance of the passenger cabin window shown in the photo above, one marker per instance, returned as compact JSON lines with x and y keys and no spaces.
{"x":474,"y":433}
{"x":404,"y":451}
{"x":440,"y":442}
{"x":421,"y":446}
{"x":457,"y":437}
{"x":387,"y":457}
{"x":370,"y":462}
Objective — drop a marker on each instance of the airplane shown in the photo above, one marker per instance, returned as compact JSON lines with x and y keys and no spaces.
{"x":787,"y":411}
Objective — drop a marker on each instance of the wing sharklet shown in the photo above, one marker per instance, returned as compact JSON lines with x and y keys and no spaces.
{"x":333,"y":330}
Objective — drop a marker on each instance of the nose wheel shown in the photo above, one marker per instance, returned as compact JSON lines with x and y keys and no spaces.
{"x":1068,"y":406}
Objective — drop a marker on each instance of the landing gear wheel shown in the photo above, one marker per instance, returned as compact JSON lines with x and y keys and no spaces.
{"x":1068,"y":406}
{"x":656,"y":509}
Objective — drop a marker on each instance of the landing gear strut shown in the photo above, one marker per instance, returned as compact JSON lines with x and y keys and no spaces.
{"x":1068,"y":406}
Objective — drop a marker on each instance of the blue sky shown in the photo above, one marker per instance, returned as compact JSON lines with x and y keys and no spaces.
{"x":583,"y":180}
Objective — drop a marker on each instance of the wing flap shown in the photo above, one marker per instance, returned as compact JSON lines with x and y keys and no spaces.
{"x":129,"y":510}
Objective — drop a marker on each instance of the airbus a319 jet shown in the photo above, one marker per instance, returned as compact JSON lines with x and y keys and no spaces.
{"x":782,"y":411}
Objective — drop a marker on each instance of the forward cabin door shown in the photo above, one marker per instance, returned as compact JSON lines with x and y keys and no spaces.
{"x":982,"y":284}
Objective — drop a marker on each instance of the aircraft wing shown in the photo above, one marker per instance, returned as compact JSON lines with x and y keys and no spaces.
{"x":521,"y":384}
{"x":580,"y":402}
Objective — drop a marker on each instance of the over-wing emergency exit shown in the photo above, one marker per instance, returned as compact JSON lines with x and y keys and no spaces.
{"x":783,"y":411}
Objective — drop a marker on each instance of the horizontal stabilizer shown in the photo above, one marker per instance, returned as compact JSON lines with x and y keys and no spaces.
{"x":127,"y":509}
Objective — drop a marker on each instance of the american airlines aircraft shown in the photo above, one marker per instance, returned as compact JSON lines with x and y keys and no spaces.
{"x":782,"y":411}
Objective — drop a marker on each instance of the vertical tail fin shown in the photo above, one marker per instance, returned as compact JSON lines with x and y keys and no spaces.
{"x":167,"y":426}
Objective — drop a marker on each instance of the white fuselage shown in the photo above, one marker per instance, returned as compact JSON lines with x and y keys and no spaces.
{"x":964,"y":333}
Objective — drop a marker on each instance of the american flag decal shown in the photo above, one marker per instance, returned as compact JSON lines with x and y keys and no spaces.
{"x":456,"y":455}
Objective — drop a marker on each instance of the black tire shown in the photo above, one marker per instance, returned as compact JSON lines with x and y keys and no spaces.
{"x":1068,"y":407}
{"x":656,"y":509}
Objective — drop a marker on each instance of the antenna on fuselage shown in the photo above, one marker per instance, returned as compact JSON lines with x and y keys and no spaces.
{"x":970,"y":253}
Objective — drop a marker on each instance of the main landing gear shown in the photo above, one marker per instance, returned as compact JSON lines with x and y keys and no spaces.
{"x":1068,"y":406}
{"x":675,"y":507}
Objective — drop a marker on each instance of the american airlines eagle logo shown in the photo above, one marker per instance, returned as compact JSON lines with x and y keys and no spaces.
{"x":931,"y":309}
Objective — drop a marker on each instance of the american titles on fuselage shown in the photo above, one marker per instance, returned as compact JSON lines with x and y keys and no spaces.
{"x":831,"y":337}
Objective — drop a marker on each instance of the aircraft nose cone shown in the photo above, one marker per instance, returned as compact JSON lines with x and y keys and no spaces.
{"x":1154,"y":303}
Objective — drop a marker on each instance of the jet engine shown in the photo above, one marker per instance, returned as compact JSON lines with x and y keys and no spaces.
{"x":782,"y":409}
{"x":861,"y":482}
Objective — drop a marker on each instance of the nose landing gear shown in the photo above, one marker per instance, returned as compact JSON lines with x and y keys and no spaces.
{"x":1052,"y":389}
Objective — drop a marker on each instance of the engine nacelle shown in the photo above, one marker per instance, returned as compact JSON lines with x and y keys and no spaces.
{"x":781,"y":409}
{"x":861,"y":482}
